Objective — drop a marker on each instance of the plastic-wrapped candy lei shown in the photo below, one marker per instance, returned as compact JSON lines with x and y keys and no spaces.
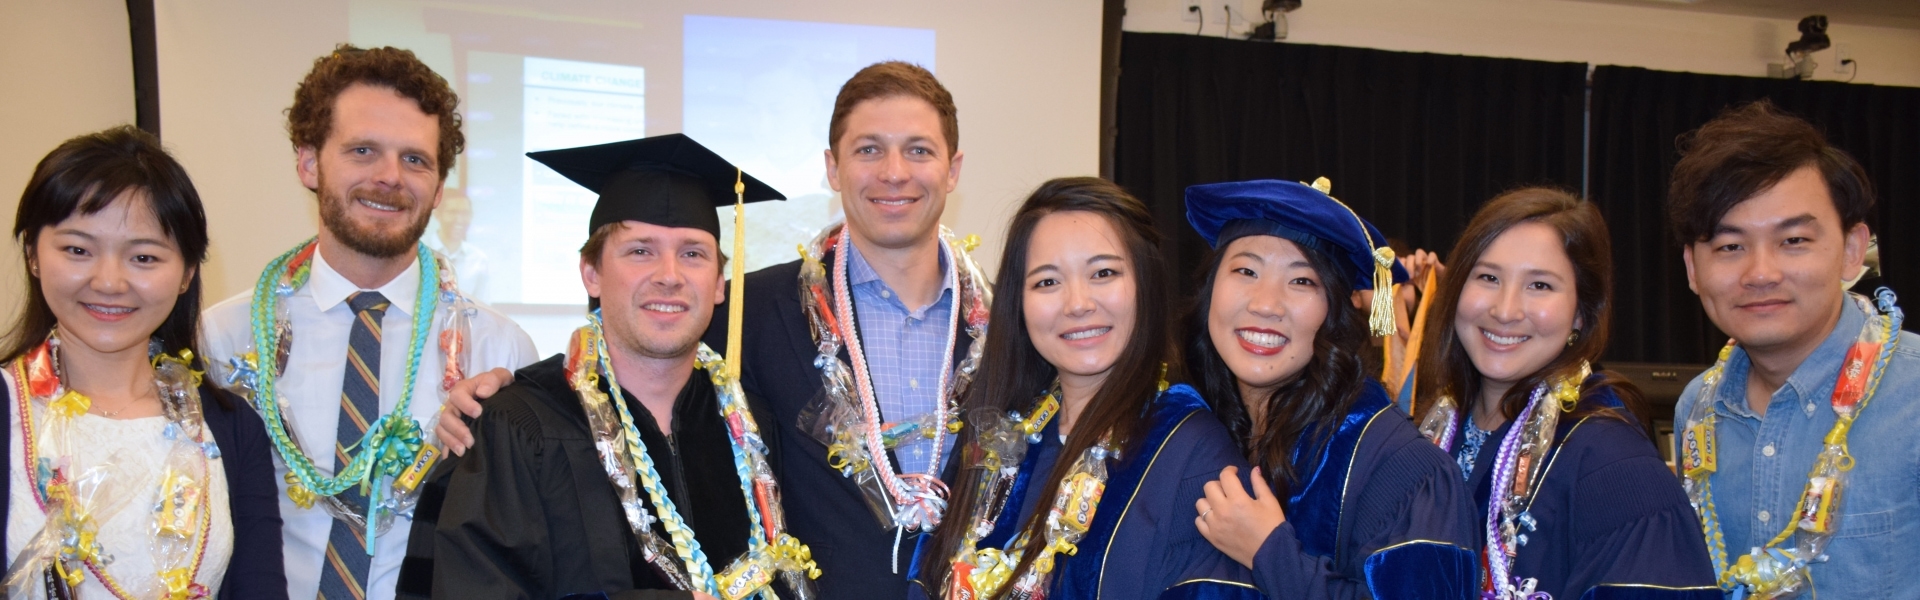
{"x":1779,"y":570}
{"x":395,"y":448}
{"x":857,"y":440}
{"x":1517,"y":467}
{"x":770,"y":552}
{"x":76,"y":502}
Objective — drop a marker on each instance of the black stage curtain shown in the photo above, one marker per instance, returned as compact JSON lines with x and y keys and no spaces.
{"x":1414,"y":142}
{"x":1638,"y":113}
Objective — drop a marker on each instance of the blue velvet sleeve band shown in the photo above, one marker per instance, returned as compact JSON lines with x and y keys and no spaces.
{"x":1649,"y":592}
{"x":1422,"y":570}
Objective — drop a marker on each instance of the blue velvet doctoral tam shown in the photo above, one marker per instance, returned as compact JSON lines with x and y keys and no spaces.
{"x":1376,"y":512}
{"x":1143,"y":543}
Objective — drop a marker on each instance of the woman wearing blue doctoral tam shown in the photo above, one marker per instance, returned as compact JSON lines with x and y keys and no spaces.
{"x":1348,"y":501}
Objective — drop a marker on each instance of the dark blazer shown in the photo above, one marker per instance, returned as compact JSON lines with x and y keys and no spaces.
{"x":253,"y":497}
{"x":824,"y":509}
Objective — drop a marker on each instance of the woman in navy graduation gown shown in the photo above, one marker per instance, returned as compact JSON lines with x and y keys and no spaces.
{"x":1348,"y":500}
{"x":1574,"y":500}
{"x":1081,"y":465}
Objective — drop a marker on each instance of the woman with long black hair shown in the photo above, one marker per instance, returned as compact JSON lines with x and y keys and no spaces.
{"x":130,"y":476}
{"x":1081,"y":463}
{"x":1348,"y":501}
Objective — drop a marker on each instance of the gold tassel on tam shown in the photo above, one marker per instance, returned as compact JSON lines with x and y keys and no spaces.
{"x":736,"y":291}
{"x":1380,"y":319}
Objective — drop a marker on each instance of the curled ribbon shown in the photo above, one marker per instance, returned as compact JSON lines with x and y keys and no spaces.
{"x":71,"y":404}
{"x":184,"y":362}
{"x":180,"y":585}
{"x":298,"y":493}
{"x":1044,"y":562}
{"x":791,"y":555}
{"x":395,"y":446}
{"x":1769,"y":573}
{"x":994,"y":570}
{"x":926,"y":501}
{"x":80,"y":543}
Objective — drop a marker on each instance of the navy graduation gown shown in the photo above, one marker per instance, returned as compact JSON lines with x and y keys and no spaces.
{"x":1143,"y":543}
{"x":1612,"y":519}
{"x":1378,"y":513}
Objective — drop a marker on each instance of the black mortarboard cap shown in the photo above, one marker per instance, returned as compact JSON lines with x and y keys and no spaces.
{"x":668,"y":180}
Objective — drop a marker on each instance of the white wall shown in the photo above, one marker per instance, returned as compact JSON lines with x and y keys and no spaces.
{"x":68,"y":71}
{"x":1025,"y":76}
{"x":1561,"y":30}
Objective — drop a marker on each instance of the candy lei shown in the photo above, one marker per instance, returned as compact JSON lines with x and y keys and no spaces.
{"x":1516,"y":477}
{"x":982,"y":572}
{"x":182,"y":519}
{"x":769,"y":549}
{"x":393,"y":446}
{"x":859,"y":447}
{"x":1773,"y":571}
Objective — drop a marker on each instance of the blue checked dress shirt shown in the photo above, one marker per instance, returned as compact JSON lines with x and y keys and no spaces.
{"x":903,"y":348}
{"x":1764,"y":460}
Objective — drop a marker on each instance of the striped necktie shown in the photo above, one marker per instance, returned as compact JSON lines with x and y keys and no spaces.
{"x":345,"y":574}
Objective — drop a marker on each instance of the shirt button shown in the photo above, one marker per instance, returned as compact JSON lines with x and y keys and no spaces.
{"x":1765,"y":516}
{"x":1809,"y":409}
{"x":1767,"y":450}
{"x":886,"y":293}
{"x":913,"y":383}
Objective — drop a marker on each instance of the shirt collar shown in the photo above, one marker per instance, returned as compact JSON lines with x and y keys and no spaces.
{"x":859,"y":272}
{"x":1813,"y":380}
{"x":330,"y":288}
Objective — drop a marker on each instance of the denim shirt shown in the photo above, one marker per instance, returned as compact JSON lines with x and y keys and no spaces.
{"x":903,"y":348}
{"x":1764,"y":462}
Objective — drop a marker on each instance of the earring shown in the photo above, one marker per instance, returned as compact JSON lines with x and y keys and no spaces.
{"x":1574,"y":337}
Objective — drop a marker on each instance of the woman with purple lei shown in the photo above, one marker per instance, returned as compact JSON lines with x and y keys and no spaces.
{"x":1575,"y":501}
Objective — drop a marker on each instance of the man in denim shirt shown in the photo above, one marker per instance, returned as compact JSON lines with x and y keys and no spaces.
{"x":1772,"y":222}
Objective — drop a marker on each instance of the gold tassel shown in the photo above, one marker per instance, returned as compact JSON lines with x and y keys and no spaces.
{"x":736,"y":292}
{"x":1381,"y":321}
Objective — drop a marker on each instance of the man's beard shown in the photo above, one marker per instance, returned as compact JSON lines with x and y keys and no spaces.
{"x":368,"y":240}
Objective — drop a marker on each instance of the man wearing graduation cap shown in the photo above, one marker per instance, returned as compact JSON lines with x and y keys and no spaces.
{"x":632,"y":466}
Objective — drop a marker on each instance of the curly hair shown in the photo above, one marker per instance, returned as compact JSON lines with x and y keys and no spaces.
{"x":310,"y":119}
{"x":891,"y":79}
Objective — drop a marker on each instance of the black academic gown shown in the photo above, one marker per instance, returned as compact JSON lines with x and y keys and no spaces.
{"x":856,"y":554}
{"x":528,"y":512}
{"x":1613,"y":521}
{"x":1378,"y":512}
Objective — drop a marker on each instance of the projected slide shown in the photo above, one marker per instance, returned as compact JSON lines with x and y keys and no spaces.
{"x":759,"y":92}
{"x":567,"y":104}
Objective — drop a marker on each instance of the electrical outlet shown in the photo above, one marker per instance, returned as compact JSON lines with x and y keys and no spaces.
{"x":1842,"y":59}
{"x":1190,"y":12}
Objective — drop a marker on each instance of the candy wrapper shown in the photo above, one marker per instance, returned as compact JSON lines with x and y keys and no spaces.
{"x":76,"y":506}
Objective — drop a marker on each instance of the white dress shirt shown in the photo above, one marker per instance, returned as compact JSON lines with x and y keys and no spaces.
{"x":316,"y":366}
